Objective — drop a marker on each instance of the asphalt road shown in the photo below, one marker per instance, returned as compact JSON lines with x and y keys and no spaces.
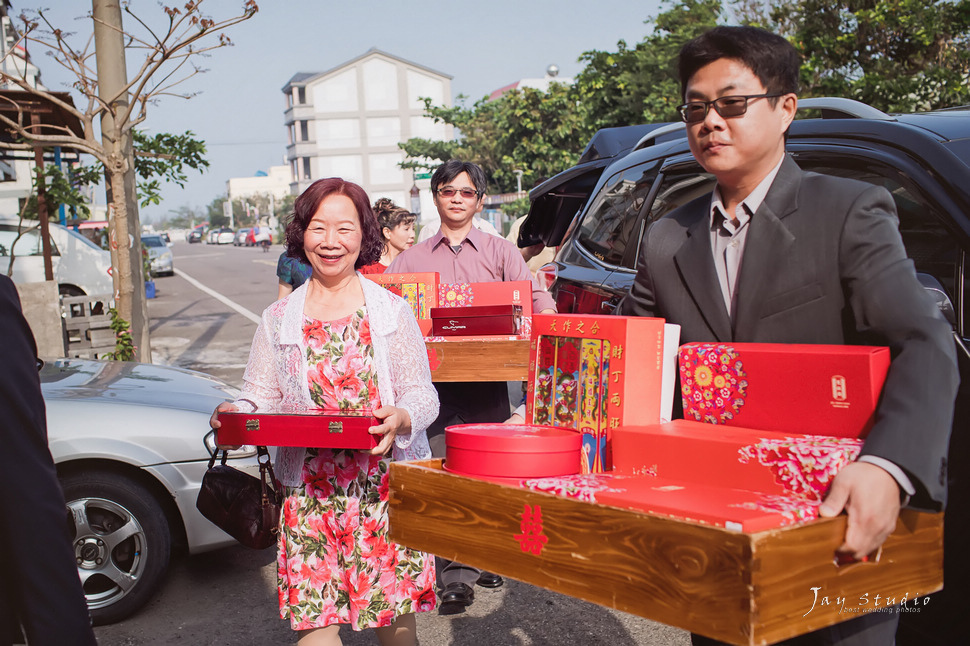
{"x":203,"y":319}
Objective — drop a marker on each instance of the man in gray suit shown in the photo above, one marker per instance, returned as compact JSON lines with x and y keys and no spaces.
{"x":778,"y":255}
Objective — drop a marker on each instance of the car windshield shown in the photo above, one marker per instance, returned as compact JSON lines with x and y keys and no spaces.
{"x":82,"y":239}
{"x":153,"y":241}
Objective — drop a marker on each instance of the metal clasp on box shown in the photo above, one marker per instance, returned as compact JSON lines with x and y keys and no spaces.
{"x":336,"y":427}
{"x":252,"y":424}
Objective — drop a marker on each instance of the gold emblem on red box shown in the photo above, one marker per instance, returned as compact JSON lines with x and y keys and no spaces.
{"x":336,"y":427}
{"x":252,"y":424}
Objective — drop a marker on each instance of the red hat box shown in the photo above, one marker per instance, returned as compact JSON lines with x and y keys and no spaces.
{"x":512,"y":450}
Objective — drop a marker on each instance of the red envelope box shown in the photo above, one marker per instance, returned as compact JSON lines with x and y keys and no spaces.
{"x":817,"y":389}
{"x":476,"y":319}
{"x":329,"y":429}
{"x":511,"y":450}
{"x":739,"y":458}
{"x":594,"y":374}
{"x":513,"y":292}
{"x":419,"y":289}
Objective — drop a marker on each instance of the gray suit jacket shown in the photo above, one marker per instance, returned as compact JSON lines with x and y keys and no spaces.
{"x":823,"y":263}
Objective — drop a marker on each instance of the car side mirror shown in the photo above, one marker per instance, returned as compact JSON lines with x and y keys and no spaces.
{"x":939,"y":296}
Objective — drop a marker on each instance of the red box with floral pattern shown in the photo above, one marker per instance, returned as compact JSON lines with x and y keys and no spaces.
{"x":316,"y":428}
{"x":512,"y":292}
{"x":420,"y":290}
{"x":818,"y":389}
{"x":511,"y":450}
{"x":594,"y":374}
{"x":739,"y":458}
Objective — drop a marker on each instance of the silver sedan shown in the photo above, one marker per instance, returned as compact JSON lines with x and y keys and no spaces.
{"x":131,"y":446}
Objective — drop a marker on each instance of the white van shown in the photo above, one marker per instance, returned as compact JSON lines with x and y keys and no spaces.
{"x":80,"y":266}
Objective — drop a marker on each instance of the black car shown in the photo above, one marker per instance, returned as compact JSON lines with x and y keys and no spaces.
{"x":597,"y":211}
{"x":195,"y":235}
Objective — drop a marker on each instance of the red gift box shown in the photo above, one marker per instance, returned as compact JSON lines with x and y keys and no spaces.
{"x":329,"y":429}
{"x":818,"y":389}
{"x":419,"y":289}
{"x":511,"y":450}
{"x":476,"y":319}
{"x":513,"y":292}
{"x":593,"y":374}
{"x":739,"y":458}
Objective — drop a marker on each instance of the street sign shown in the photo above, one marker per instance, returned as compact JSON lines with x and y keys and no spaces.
{"x":426,"y":175}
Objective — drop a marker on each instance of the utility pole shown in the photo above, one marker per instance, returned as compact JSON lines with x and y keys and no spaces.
{"x":112,"y":77}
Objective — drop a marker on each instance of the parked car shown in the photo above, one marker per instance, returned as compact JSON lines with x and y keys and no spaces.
{"x":166,"y":238}
{"x":596,"y":214}
{"x":80,"y":266}
{"x":195,"y":235}
{"x":162,"y":261}
{"x":239,"y":239}
{"x":212,"y":236}
{"x":130,"y":445}
{"x":225,"y":236}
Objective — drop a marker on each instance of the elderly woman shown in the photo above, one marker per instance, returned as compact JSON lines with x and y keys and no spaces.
{"x":397,"y":229}
{"x":342,"y":342}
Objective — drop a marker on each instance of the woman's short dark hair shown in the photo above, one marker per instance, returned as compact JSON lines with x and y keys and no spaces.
{"x":770,"y":57}
{"x":455,"y":167}
{"x":372,"y":243}
{"x":390,"y":214}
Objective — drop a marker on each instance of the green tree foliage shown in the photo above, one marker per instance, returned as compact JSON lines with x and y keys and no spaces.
{"x":164,"y":158}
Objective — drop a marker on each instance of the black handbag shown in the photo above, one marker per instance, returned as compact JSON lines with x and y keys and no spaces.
{"x":245,"y":507}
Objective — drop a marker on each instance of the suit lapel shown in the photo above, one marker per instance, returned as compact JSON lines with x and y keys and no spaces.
{"x":696,"y":264}
{"x":766,"y":249}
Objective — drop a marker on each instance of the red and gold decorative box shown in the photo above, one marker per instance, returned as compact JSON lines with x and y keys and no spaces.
{"x":739,"y":458}
{"x":330,"y":429}
{"x":818,"y":389}
{"x":476,"y":319}
{"x":420,"y":290}
{"x":511,"y":450}
{"x":593,"y":374}
{"x":513,"y":292}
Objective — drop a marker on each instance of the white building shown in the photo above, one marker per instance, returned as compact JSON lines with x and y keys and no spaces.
{"x":276,"y":182}
{"x":347,"y":122}
{"x":552,"y":76}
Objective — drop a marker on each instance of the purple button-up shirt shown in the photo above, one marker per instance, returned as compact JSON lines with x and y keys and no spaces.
{"x":482,"y":258}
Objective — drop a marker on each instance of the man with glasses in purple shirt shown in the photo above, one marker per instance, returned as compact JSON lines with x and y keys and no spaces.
{"x":460,"y":253}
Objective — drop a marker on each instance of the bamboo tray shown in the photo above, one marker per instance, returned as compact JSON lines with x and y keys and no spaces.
{"x":739,"y":588}
{"x":505,"y":360}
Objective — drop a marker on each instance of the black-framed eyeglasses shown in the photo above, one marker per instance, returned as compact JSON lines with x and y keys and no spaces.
{"x":467,"y":193}
{"x":726,"y":106}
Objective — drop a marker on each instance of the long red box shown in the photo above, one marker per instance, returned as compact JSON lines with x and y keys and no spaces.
{"x":476,"y":319}
{"x":513,"y":292}
{"x":737,"y":458}
{"x":595,"y":374}
{"x":511,"y":450}
{"x":328,"y":429}
{"x":419,"y":289}
{"x":817,"y":389}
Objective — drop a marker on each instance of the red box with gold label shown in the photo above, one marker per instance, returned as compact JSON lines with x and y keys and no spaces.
{"x":818,"y":389}
{"x":593,"y":374}
{"x":740,"y":458}
{"x":511,"y":450}
{"x":420,"y":290}
{"x":513,"y":292}
{"x":330,"y":429}
{"x":476,"y":319}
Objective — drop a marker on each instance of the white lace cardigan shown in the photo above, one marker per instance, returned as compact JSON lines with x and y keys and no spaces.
{"x":276,"y":375}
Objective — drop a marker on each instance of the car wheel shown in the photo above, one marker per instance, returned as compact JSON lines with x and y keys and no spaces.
{"x":122,"y":542}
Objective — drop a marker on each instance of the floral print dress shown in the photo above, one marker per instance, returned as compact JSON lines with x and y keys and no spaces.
{"x":335,"y":563}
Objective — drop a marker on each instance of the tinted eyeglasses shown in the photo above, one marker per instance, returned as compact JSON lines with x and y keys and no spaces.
{"x":726,"y":106}
{"x":467,"y":193}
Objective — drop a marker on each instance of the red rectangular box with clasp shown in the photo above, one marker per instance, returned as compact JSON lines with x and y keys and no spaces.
{"x":512,"y":292}
{"x":737,"y":458}
{"x":817,"y":389}
{"x":594,"y":374}
{"x":419,"y":289}
{"x":476,"y":319}
{"x":329,"y":429}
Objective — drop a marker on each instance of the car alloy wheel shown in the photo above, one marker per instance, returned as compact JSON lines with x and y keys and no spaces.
{"x":121,"y":541}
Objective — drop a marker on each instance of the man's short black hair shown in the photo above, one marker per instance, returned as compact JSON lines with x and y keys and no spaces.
{"x":455,"y":167}
{"x":772,"y":58}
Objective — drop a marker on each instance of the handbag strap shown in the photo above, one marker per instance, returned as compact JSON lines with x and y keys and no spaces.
{"x":266,"y":474}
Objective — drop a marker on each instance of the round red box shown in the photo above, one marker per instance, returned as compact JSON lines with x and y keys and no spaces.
{"x":512,"y":450}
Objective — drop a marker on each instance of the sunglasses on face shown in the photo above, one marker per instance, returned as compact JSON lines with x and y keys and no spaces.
{"x":467,"y":193}
{"x":726,"y":106}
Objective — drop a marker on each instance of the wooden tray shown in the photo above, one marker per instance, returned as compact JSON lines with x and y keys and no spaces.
{"x":486,"y":360}
{"x":735,"y":587}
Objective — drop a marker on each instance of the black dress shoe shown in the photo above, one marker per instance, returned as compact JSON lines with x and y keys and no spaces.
{"x":455,"y":598}
{"x":490,"y":580}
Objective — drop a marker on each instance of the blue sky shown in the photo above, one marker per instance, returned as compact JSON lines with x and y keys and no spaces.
{"x":238,"y":110}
